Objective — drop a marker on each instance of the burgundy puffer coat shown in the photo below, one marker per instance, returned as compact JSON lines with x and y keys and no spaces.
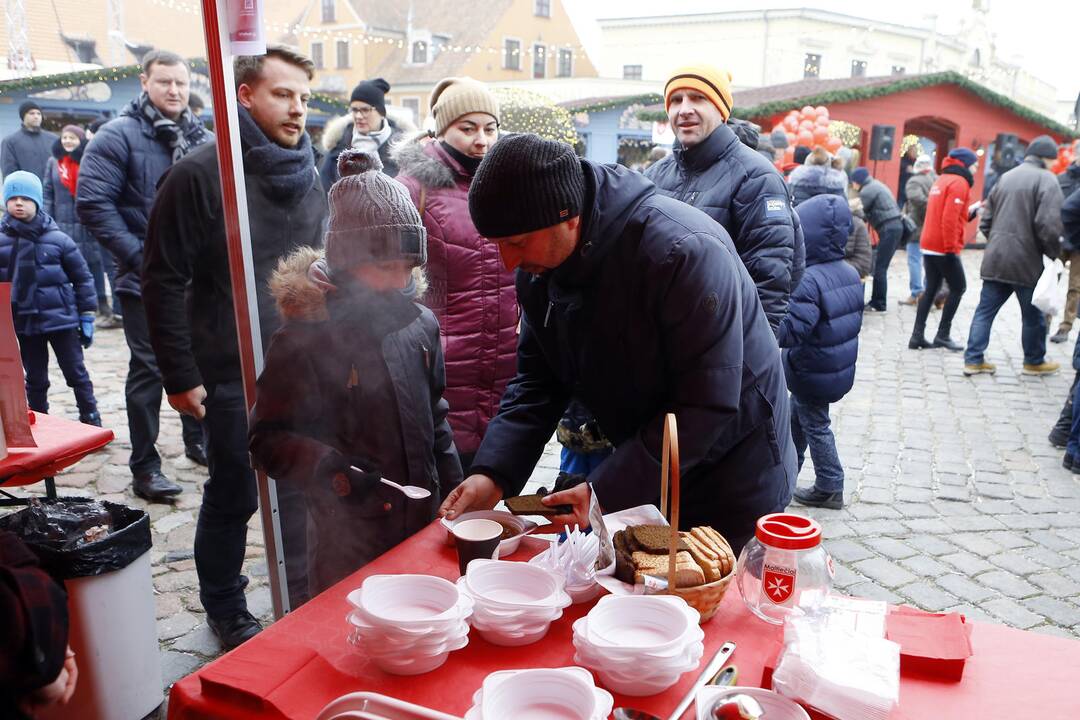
{"x":471,"y":293}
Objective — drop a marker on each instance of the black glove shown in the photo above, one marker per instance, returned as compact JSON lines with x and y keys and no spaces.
{"x":355,"y":479}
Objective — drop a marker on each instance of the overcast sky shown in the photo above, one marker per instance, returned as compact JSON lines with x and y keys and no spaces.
{"x":1019,"y":25}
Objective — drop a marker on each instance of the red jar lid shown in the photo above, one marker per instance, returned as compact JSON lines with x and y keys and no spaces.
{"x":788,"y":532}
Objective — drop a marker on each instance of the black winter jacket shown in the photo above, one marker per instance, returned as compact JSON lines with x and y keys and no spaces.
{"x":653,"y":313}
{"x":341,"y":389}
{"x":118,"y":178}
{"x":186,"y":285}
{"x":741,"y":190}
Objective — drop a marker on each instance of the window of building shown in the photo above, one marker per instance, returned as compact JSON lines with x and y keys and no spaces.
{"x":631,"y":72}
{"x":511,"y":54}
{"x":419,"y":52}
{"x":328,"y":11}
{"x":542,"y":8}
{"x":858,"y":68}
{"x":412,"y":104}
{"x":566,"y":63}
{"x":539,"y":62}
{"x":317,"y":55}
{"x":811,"y":65}
{"x":343,"y":53}
{"x":898,"y":70}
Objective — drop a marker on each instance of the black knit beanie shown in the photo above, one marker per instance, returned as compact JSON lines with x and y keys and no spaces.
{"x":373,"y":92}
{"x":526,"y":183}
{"x":27,"y":107}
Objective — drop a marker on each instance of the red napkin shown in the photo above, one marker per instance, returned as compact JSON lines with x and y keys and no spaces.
{"x":931,"y":644}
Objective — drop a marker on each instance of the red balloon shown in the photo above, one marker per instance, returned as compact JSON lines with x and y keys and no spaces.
{"x":808,"y":112}
{"x":806,"y":138}
{"x":821,"y":135}
{"x":833,"y":144}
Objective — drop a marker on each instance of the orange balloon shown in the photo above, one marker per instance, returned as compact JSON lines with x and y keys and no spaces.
{"x":791,"y":138}
{"x":807,"y":125}
{"x":822,"y":121}
{"x":808,"y":112}
{"x":833,"y":144}
{"x":806,"y":138}
{"x":821,"y":135}
{"x":822,"y":110}
{"x":791,"y":123}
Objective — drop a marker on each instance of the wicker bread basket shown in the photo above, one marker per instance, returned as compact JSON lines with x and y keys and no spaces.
{"x":703,"y":598}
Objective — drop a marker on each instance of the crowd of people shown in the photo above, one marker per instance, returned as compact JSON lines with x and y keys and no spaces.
{"x":433,"y":305}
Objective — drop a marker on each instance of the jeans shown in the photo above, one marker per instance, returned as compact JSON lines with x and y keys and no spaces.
{"x":1032,"y":337}
{"x":143,"y":393}
{"x":888,"y":238}
{"x":940,"y":269}
{"x":1073,"y":448}
{"x":915,"y":268}
{"x":69,"y":356}
{"x":810,"y":427}
{"x":230,"y":498}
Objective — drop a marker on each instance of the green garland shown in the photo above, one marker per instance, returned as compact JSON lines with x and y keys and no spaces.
{"x":833,"y":97}
{"x":575,"y":107}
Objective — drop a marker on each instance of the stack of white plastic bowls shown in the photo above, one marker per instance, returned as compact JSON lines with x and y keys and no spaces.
{"x":639,"y":644}
{"x":541,"y":694}
{"x":514,"y":603}
{"x":409,"y":624}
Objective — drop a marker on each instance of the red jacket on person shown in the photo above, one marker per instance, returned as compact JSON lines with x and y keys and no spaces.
{"x":947,"y":209}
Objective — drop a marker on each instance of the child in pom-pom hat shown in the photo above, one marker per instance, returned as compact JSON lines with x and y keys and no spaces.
{"x":353,"y":386}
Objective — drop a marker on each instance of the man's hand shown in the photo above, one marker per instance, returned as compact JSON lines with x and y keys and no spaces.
{"x":477,"y":492}
{"x":190,"y":402}
{"x":579,"y":497}
{"x":59,"y":691}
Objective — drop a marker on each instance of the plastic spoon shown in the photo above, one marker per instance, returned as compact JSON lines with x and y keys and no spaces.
{"x":410,"y":491}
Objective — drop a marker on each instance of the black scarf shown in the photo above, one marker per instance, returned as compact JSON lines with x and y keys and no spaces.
{"x":961,"y":171}
{"x":180,"y":136}
{"x":366,"y":315}
{"x":468,"y":164}
{"x":23,"y":266}
{"x":289,"y":171}
{"x":59,"y":152}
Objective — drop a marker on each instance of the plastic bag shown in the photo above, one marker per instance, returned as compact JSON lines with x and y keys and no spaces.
{"x":79,"y":537}
{"x":1049,"y":295}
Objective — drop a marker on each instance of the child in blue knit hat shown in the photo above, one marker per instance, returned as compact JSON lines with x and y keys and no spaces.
{"x":52,"y":295}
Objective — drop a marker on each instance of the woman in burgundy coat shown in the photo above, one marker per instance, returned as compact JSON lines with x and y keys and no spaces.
{"x":471,"y":293}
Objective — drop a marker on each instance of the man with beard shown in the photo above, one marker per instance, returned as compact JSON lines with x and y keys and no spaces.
{"x":188,"y":296}
{"x":29,"y":147}
{"x":118,"y":179}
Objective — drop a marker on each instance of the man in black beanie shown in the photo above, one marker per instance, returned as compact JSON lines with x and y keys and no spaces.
{"x":366,"y":128}
{"x":637,"y":305}
{"x":28,"y":148}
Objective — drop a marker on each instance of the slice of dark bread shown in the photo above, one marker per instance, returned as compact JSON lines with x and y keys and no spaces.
{"x":654,"y":539}
{"x":624,"y":563}
{"x":531,"y":505}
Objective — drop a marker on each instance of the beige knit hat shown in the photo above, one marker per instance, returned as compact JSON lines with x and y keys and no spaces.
{"x":457,"y":96}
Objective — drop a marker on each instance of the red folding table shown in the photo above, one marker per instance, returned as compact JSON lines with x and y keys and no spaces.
{"x":302,"y":662}
{"x":60,"y":444}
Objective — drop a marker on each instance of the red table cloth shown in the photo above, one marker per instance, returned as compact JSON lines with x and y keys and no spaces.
{"x":302,"y":662}
{"x":60,"y":444}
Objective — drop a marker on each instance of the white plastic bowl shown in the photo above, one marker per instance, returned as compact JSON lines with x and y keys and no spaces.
{"x":512,"y":585}
{"x":640,"y":622}
{"x":540,"y":695}
{"x":407,"y":600}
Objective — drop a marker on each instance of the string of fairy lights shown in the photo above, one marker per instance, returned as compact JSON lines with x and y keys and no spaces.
{"x":335,"y":34}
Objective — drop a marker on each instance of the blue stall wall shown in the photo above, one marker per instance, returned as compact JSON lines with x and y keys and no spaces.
{"x":602,"y":135}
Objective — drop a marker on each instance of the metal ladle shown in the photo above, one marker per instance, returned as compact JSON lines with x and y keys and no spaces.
{"x":707,"y":674}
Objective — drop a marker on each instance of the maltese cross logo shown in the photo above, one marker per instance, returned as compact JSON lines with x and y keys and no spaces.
{"x":778,"y":586}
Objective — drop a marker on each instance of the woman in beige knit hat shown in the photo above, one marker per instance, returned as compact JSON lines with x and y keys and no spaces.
{"x":471,"y":293}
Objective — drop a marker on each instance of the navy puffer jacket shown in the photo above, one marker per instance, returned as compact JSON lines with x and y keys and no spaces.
{"x":65,"y":287}
{"x":653,"y":313}
{"x":117,"y":182}
{"x":820,"y":333}
{"x":741,"y":190}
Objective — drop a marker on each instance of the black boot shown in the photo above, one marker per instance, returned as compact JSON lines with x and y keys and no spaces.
{"x":944,"y":341}
{"x":234,"y":630}
{"x":155,"y":487}
{"x":918,"y":341}
{"x":1059,"y":436}
{"x":93,"y":418}
{"x":813,"y":497}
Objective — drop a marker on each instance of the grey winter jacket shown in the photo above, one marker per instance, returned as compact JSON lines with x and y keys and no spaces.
{"x":878,"y":204}
{"x":341,"y":389}
{"x":918,"y":193}
{"x":1022,"y":222}
{"x":742,"y":191}
{"x":26,"y":150}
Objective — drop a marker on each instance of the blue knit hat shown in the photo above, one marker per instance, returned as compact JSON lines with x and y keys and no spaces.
{"x":860,"y":175}
{"x":23,"y":184}
{"x":964,"y":155}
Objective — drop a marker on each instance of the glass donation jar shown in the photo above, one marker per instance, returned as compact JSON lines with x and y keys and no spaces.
{"x":783,"y":568}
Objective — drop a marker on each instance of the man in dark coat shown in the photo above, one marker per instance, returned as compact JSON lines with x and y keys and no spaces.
{"x":1022,"y":223}
{"x":366,"y":128}
{"x":187,"y":292}
{"x":1069,"y":181}
{"x":29,"y":147}
{"x":710,"y":169}
{"x":1070,"y":221}
{"x":637,"y":305}
{"x":820,"y":338}
{"x":117,"y":181}
{"x":884,"y":216}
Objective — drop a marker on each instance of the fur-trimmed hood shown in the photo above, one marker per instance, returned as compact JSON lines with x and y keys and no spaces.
{"x":399,"y":120}
{"x":413,"y":159}
{"x":300,"y":292}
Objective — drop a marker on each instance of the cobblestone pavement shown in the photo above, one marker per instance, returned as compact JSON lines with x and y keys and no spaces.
{"x":954,"y":498}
